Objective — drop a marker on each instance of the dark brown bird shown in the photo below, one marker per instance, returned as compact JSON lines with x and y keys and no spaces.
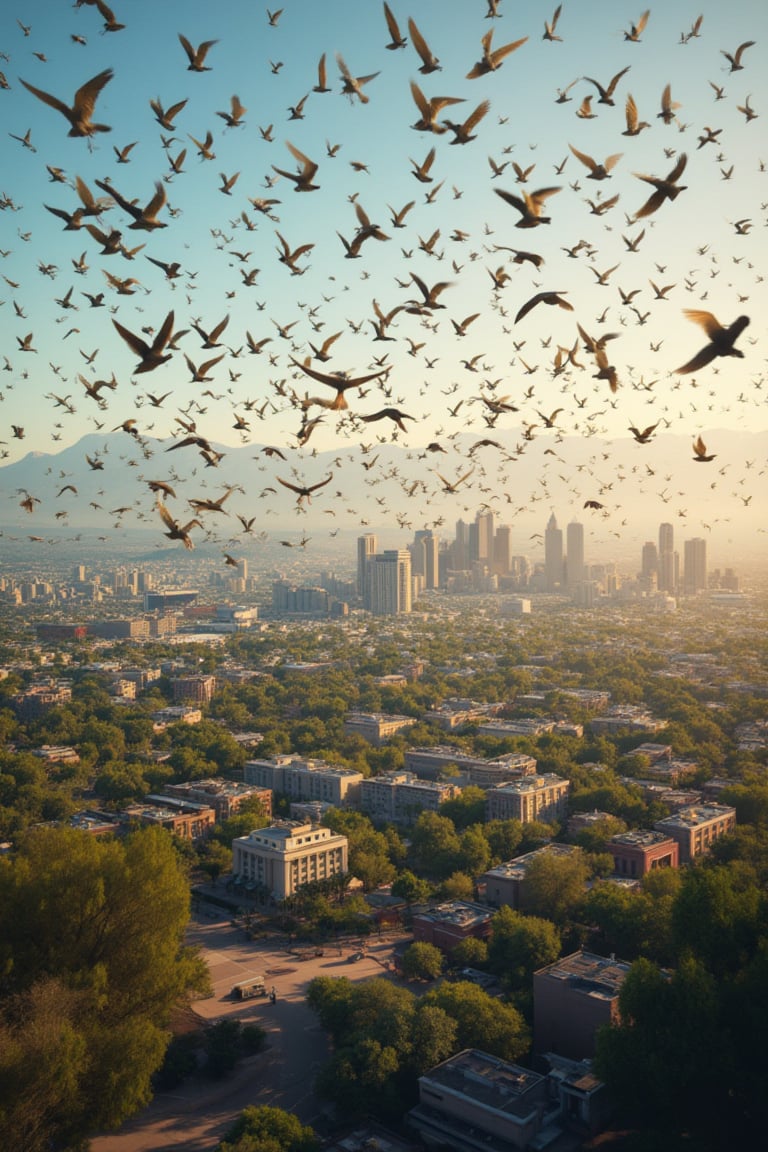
{"x":721,"y":340}
{"x":151,"y":355}
{"x":339,"y":381}
{"x":554,"y":298}
{"x":196,"y":56}
{"x":700,"y":450}
{"x":177,"y":531}
{"x":304,"y":491}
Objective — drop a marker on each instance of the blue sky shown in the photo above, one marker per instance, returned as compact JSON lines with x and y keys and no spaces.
{"x":691,"y":249}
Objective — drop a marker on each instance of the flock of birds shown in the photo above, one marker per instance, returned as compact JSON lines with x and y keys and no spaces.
{"x":134,"y":271}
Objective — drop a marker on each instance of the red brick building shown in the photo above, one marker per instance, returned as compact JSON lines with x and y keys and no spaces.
{"x":636,"y":853}
{"x":446,"y":925}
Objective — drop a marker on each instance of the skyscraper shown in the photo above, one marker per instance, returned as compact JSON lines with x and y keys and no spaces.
{"x":484,"y":522}
{"x":650,"y":560}
{"x":366,"y":548}
{"x":695,"y":566}
{"x":390,"y":582}
{"x":424,"y":554}
{"x":502,"y":550}
{"x":667,"y":580}
{"x":574,"y":564}
{"x":553,"y":555}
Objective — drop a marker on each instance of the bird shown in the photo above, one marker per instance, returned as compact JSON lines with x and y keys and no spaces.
{"x":597,"y":171}
{"x":196,"y":56}
{"x":302,"y":180}
{"x":304,"y":491}
{"x":82,"y":108}
{"x":151,"y":355}
{"x":396,"y":37}
{"x":605,"y":95}
{"x":529,"y":205}
{"x":143,"y":218}
{"x":700,"y":452}
{"x":353,"y":85}
{"x":450,"y":486}
{"x":666,"y":188}
{"x":464,"y":133}
{"x":165,"y":118}
{"x":429,"y":62}
{"x":721,"y":339}
{"x":430,"y":109}
{"x":493,"y":58}
{"x":636,"y":30}
{"x":554,"y":298}
{"x":338,"y":381}
{"x":177,"y":531}
{"x":394,"y":414}
{"x":234,"y":118}
{"x":644,"y":436}
{"x":735,"y":59}
{"x":550,"y":25}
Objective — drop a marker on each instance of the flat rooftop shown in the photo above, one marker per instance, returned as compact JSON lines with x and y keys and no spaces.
{"x":598,"y":976}
{"x":457,"y":912}
{"x":488,"y":1081}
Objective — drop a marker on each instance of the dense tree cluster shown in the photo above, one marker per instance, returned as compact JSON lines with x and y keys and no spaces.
{"x":91,"y":963}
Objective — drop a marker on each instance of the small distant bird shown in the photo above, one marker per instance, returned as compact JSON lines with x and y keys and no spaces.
{"x":636,"y":30}
{"x":721,"y":340}
{"x":429,"y":62}
{"x":700,"y":449}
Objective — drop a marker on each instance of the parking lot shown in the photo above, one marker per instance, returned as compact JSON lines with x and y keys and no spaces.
{"x":197,"y":1114}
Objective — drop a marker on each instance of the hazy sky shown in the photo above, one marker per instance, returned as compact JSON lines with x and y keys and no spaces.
{"x":691,"y":249}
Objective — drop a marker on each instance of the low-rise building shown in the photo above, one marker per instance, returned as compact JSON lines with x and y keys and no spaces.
{"x":288,"y":855}
{"x":56,"y":754}
{"x":446,"y":925}
{"x":530,"y":798}
{"x":400,"y":797}
{"x":225,"y":796}
{"x":505,"y":883}
{"x":626,"y":718}
{"x":186,"y":819}
{"x":476,"y":1101}
{"x":696,"y":828}
{"x":176,"y":714}
{"x":639,"y":852}
{"x":376,"y":727}
{"x":572,"y":998}
{"x":305,"y":779}
{"x":193,"y":689}
{"x":524,"y":726}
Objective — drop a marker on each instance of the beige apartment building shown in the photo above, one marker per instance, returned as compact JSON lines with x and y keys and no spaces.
{"x":697,"y":827}
{"x":529,"y":798}
{"x":288,"y":855}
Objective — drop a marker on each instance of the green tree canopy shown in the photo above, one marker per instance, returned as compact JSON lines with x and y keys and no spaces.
{"x":104,"y":919}
{"x":264,"y":1129}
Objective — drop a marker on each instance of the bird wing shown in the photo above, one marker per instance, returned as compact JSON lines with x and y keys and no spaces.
{"x":47,"y":98}
{"x":707,"y":320}
{"x":85,"y":97}
{"x":139,"y":346}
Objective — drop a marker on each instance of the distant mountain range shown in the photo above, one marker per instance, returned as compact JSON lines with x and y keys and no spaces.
{"x":399,"y":490}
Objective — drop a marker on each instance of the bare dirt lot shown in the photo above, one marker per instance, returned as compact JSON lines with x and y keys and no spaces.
{"x":195,"y":1116}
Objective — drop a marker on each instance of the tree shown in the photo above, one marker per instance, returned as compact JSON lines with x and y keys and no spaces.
{"x":519,"y":945}
{"x":457,"y":886}
{"x":435,"y":846}
{"x":105,"y":919}
{"x":554,"y":885}
{"x":411,"y":888}
{"x":482,"y":1021}
{"x":264,"y":1129}
{"x":466,"y":809}
{"x":422,"y":961}
{"x":469,"y":953}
